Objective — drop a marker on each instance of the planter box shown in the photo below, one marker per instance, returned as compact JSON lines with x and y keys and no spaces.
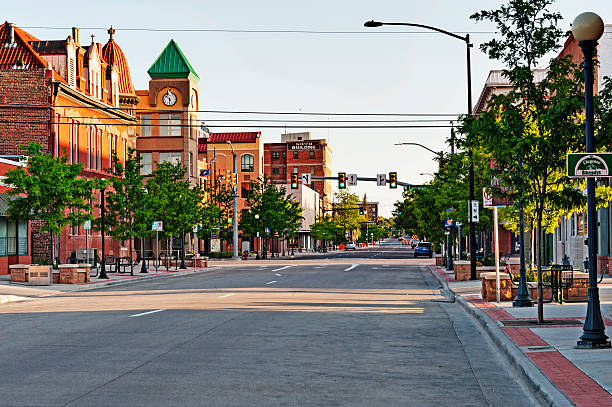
{"x":19,"y":272}
{"x":201,"y":262}
{"x":438,"y":260}
{"x":578,"y":291}
{"x":462,"y":270}
{"x":74,"y":273}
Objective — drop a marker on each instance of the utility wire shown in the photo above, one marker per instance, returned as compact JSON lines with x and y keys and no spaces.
{"x":124,"y":110}
{"x":47,"y":123}
{"x":250,"y":31}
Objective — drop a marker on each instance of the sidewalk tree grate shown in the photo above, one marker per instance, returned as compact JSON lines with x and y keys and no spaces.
{"x":534,"y":322}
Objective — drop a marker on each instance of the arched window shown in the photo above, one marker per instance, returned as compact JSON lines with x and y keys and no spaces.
{"x":246,"y":163}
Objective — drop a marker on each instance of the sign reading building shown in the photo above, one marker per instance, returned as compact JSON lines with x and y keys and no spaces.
{"x":580,"y":165}
{"x":305,"y":145}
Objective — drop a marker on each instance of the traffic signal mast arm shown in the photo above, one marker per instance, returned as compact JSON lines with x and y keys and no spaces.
{"x":405,"y":184}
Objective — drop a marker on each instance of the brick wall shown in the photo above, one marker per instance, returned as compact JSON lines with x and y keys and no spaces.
{"x":40,"y":242}
{"x":24,"y":87}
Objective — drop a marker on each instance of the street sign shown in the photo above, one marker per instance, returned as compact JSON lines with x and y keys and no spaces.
{"x":579,"y":165}
{"x":306,"y":179}
{"x":475,"y":215}
{"x":381,"y":180}
{"x":351,"y":179}
{"x":449,"y":222}
{"x":87,"y":225}
{"x":195,"y":228}
{"x":487,"y":198}
{"x":157,"y":226}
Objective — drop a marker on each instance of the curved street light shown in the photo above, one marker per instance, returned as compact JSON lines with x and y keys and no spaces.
{"x":468,"y":45}
{"x":438,"y":153}
{"x":587,"y":28}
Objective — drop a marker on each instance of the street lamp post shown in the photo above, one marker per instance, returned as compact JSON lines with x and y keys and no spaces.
{"x":587,"y":28}
{"x":102,"y":226}
{"x":143,"y":269}
{"x":466,"y":39}
{"x":235,"y":206}
{"x":257,"y":235}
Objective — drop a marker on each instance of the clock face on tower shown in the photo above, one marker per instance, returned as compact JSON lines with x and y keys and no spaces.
{"x":169,"y":98}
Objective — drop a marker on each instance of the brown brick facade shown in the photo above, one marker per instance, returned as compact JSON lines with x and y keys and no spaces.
{"x":21,"y":87}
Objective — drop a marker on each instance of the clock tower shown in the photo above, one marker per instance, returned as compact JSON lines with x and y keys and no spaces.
{"x":168,"y":129}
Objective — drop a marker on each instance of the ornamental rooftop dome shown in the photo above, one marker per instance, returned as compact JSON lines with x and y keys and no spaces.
{"x":112,"y":54}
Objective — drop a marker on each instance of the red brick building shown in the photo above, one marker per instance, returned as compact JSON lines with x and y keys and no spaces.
{"x":72,"y":99}
{"x":297,"y":153}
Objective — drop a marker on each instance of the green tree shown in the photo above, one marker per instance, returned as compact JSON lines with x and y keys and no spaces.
{"x":53,"y":192}
{"x":125,"y":204}
{"x":529,"y":131}
{"x":172,"y":200}
{"x":346,"y":213}
{"x":324,"y":230}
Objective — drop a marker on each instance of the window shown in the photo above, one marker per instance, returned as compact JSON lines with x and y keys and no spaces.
{"x":275,"y":171}
{"x":285,"y":171}
{"x":246,"y":163}
{"x":295,"y":155}
{"x":169,"y":124}
{"x":191,"y":164}
{"x":284,"y":154}
{"x":245,"y":189}
{"x":295,"y":170}
{"x":57,"y":135}
{"x":99,"y":152}
{"x":145,"y":125}
{"x":171,"y":157}
{"x":311,"y":154}
{"x":89,"y":145}
{"x":146,"y":159}
{"x":275,"y":155}
{"x":13,"y":237}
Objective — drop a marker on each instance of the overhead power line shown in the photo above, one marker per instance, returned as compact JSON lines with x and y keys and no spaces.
{"x":252,"y":31}
{"x":265,"y":126}
{"x":112,"y":108}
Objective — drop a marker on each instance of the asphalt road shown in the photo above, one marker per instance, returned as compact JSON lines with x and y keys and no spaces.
{"x":372,"y":332}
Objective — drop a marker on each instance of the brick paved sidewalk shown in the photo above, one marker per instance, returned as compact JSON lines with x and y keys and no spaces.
{"x":583,"y":376}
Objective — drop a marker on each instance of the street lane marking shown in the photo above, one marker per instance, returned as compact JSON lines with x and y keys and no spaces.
{"x":226,"y":295}
{"x":276,"y":274}
{"x":146,"y":313}
{"x":271,"y":282}
{"x":282,"y":268}
{"x":352,"y":267}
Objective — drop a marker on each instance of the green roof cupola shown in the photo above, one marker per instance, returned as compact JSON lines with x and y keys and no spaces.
{"x":172,"y":63}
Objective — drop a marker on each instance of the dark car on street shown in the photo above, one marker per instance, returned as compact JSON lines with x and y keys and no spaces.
{"x":423,"y":249}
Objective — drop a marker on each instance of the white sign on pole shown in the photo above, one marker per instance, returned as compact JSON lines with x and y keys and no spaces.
{"x":351,"y":179}
{"x":475,"y":214}
{"x":157,"y":226}
{"x":195,"y":228}
{"x":306,"y":179}
{"x":87,"y":225}
{"x":381,"y":180}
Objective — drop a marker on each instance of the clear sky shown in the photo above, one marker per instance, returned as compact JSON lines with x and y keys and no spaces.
{"x":374,"y":71}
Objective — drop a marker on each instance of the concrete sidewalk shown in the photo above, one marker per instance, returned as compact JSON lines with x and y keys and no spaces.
{"x":20,"y":292}
{"x":583,"y":376}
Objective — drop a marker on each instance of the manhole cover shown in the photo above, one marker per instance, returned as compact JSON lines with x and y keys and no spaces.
{"x":534,"y":322}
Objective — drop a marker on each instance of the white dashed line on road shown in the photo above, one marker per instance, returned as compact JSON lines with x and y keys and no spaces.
{"x":226,"y":295}
{"x":276,"y":274}
{"x":282,"y":268}
{"x":352,"y":267}
{"x":146,"y":313}
{"x":271,"y":282}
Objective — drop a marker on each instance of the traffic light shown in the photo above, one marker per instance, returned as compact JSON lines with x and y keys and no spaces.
{"x":234,"y":179}
{"x":228,"y":176}
{"x":342,"y":180}
{"x":361,"y":210}
{"x":294,"y":180}
{"x":393,"y":180}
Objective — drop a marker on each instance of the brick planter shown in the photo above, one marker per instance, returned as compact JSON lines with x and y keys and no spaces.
{"x":74,"y":273}
{"x":462,"y":270}
{"x":19,"y":272}
{"x":438,"y":260}
{"x":578,"y":291}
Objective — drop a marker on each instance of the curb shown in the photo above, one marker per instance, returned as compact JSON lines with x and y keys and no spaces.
{"x":539,"y":383}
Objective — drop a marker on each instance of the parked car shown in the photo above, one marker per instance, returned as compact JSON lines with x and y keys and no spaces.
{"x":350,"y":246}
{"x":423,"y":249}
